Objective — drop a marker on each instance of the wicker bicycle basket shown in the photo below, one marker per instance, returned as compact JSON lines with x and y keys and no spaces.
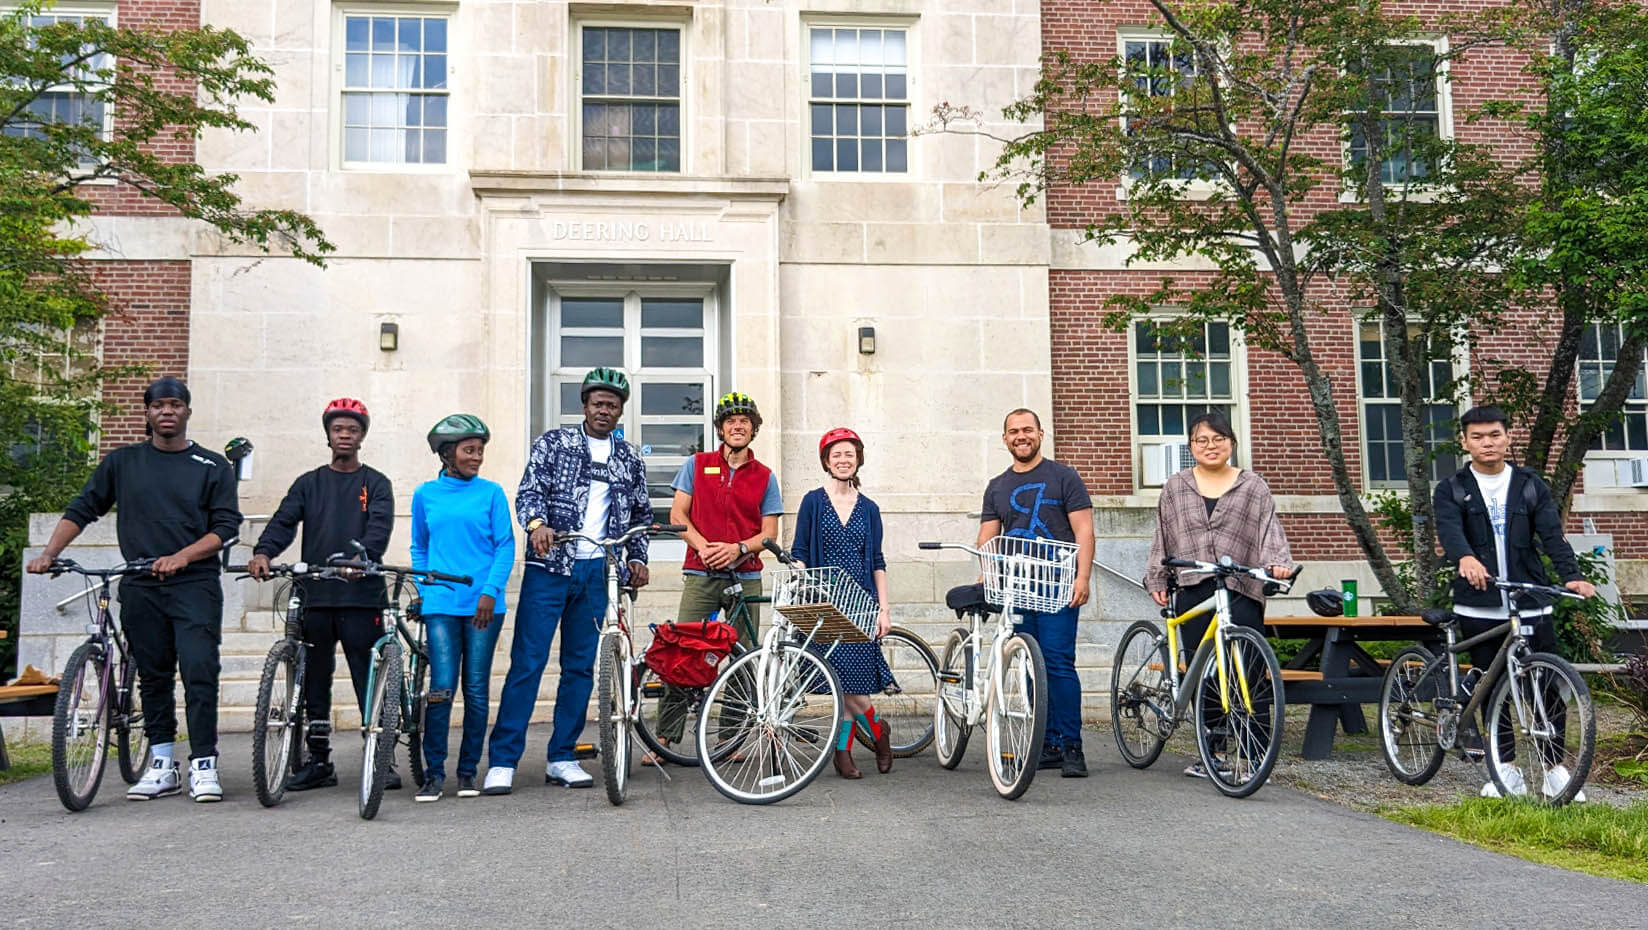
{"x":1022,"y":573}
{"x":825,"y":602}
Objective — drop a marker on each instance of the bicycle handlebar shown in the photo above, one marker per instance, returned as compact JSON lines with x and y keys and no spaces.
{"x":561,"y":538}
{"x":366,"y":567}
{"x":134,"y":567}
{"x":290,"y":570}
{"x":777,"y":551}
{"x":1227,"y":567}
{"x":1515,"y":587}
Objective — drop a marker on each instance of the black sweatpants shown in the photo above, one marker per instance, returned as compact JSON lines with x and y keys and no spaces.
{"x":176,"y":629}
{"x":324,"y":628}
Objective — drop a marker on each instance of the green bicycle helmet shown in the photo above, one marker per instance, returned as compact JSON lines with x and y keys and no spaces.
{"x":605,"y":379}
{"x":736,"y":402}
{"x":456,"y":428}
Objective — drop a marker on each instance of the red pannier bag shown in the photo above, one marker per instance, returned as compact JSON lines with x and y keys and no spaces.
{"x":688,"y":655}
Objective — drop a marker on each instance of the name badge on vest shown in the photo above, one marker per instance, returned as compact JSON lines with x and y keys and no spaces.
{"x":712,"y":469}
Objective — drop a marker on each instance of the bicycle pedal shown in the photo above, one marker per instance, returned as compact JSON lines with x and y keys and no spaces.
{"x":950,"y":678}
{"x":585,"y":751}
{"x":771,"y":781}
{"x":653,"y":689}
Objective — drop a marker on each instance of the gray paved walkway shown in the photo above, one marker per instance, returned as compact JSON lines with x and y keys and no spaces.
{"x":919,"y":847}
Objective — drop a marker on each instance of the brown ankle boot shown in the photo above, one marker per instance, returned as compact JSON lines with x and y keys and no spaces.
{"x":844,"y":764}
{"x":884,"y":748}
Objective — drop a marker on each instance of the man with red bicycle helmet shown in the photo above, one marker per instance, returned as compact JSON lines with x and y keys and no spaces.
{"x":338,"y":502}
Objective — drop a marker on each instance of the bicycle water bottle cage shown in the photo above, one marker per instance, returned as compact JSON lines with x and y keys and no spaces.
{"x":969,"y":599}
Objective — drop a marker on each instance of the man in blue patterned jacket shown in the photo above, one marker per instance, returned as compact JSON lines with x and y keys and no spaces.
{"x":577,"y":479}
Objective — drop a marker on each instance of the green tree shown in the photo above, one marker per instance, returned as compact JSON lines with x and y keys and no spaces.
{"x":83,"y":101}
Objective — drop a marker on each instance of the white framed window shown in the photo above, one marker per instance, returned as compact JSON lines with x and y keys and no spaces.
{"x":630,"y":80}
{"x":1410,"y":88}
{"x":1160,"y":68}
{"x":858,"y":98}
{"x":1175,"y":378}
{"x":1380,"y":397}
{"x":393,"y":98}
{"x":666,"y":340}
{"x":66,"y":103}
{"x":1598,"y":352}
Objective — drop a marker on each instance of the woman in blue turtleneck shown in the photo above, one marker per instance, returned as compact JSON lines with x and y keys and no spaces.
{"x":461,"y":526}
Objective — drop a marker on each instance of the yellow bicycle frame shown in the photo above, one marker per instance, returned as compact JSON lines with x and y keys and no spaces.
{"x":1219,"y":606}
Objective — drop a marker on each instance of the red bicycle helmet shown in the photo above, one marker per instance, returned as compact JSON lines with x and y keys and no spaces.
{"x":346,"y":407}
{"x":839,"y":434}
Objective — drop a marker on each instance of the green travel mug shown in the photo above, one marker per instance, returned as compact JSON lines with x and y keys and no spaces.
{"x":1348,"y":589}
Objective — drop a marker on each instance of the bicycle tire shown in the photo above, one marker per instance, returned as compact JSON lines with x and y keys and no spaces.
{"x":1408,"y":718}
{"x":80,"y":742}
{"x":415,"y":707}
{"x":1258,"y":736}
{"x":612,"y":676}
{"x":784,"y":739}
{"x":950,"y":729}
{"x":131,"y":739}
{"x":1140,"y":687}
{"x":272,"y":722}
{"x":378,"y":733}
{"x":907,"y":703}
{"x":1014,"y":745}
{"x":683,"y":715}
{"x":1532,"y":752}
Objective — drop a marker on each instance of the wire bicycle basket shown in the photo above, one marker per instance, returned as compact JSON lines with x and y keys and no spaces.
{"x":826,"y":602}
{"x":1024,"y":573}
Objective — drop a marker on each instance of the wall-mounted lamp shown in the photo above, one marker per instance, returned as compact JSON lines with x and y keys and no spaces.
{"x":866,"y":340}
{"x":389,"y":336}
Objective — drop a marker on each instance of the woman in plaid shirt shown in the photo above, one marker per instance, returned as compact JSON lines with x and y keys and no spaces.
{"x":1207,"y":511}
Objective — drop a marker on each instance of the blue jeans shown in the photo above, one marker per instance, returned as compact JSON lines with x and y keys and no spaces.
{"x":580,"y":599}
{"x":454,"y":642}
{"x":1055,"y":633}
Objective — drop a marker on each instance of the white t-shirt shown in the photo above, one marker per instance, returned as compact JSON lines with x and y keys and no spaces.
{"x":600,"y":498}
{"x":1496,"y":494}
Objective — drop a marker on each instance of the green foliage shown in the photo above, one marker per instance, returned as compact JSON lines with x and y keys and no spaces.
{"x":27,"y":760}
{"x":1594,"y":838}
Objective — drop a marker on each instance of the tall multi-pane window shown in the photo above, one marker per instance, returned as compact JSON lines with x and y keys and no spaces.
{"x":1408,"y":92}
{"x":1159,"y":70}
{"x":631,"y":94}
{"x":665,"y":342}
{"x":859,"y":99}
{"x":394,"y":90}
{"x":65,"y":103}
{"x":1177,"y":376}
{"x":1598,"y":352}
{"x":1381,"y":397}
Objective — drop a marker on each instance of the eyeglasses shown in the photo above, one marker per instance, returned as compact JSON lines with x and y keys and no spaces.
{"x":1206,"y":441}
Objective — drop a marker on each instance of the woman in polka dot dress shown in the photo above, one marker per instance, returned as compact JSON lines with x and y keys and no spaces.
{"x":836,"y":525}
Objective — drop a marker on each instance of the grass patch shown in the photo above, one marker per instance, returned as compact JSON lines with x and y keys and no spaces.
{"x":27,"y":761}
{"x":1608,"y":841}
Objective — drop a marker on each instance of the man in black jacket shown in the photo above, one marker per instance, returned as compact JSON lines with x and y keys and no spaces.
{"x":177,"y":505}
{"x":1488,"y":517}
{"x":336,"y":503}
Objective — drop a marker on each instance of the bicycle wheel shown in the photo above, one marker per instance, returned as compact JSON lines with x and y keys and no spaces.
{"x":1240,"y":748}
{"x":762,"y":742}
{"x":666,"y":716}
{"x":1408,"y":714}
{"x":1016,"y":720}
{"x":80,"y":727}
{"x":612,"y":678}
{"x":955,"y":675}
{"x":273,"y":721}
{"x":414,"y":706}
{"x":1141,"y":695}
{"x":131,"y":740}
{"x":906,"y":704}
{"x":383,"y":709}
{"x":1543,"y":734}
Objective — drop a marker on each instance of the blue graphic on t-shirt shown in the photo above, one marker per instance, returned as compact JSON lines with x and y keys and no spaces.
{"x":1496,"y":514}
{"x":1038,"y":528}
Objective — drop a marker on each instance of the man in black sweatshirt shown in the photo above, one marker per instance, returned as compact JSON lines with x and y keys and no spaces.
{"x":176,"y":505}
{"x":336,"y":503}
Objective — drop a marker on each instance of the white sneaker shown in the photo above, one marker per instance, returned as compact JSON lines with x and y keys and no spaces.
{"x":570,"y":774}
{"x":161,"y":779}
{"x":1556,"y":781}
{"x":203,"y":783}
{"x":1512,"y":777}
{"x":499,"y":780}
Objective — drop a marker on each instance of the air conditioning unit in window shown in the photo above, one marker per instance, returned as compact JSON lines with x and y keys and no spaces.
{"x":1631,"y":473}
{"x":1163,"y":459}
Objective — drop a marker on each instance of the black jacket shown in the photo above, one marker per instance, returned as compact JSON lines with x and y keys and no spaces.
{"x":1463,"y":529}
{"x":335,"y":507}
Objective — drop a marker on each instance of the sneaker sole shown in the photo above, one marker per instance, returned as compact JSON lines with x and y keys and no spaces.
{"x":427,"y":800}
{"x":495,"y":792}
{"x":151,"y":797}
{"x":569,"y":784}
{"x":1073,"y":774}
{"x":207,"y":798}
{"x":469,"y":794}
{"x":329,"y":783}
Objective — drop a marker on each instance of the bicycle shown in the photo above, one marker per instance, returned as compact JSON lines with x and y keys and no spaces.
{"x":772,"y":734}
{"x":996,"y":676}
{"x":96,"y":698}
{"x":397,"y":686}
{"x":280,"y":721}
{"x":1234,"y":676}
{"x":1426,"y":706}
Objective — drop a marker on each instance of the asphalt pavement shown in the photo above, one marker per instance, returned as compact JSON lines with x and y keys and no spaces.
{"x":918,"y":847}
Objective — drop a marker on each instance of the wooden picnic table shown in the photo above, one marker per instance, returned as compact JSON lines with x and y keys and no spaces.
{"x":24,"y":701}
{"x":1345,"y":675}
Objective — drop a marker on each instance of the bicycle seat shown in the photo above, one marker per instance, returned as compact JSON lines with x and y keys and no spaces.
{"x":1438,"y":616}
{"x":969,"y":599}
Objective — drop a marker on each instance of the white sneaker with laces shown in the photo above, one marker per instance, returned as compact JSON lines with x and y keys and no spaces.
{"x":570,"y":774}
{"x":499,"y":780}
{"x":1512,"y":777}
{"x":1556,"y":781}
{"x":203,"y":783}
{"x":162,"y":779}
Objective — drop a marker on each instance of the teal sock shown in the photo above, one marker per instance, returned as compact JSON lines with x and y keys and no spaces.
{"x":846,"y":737}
